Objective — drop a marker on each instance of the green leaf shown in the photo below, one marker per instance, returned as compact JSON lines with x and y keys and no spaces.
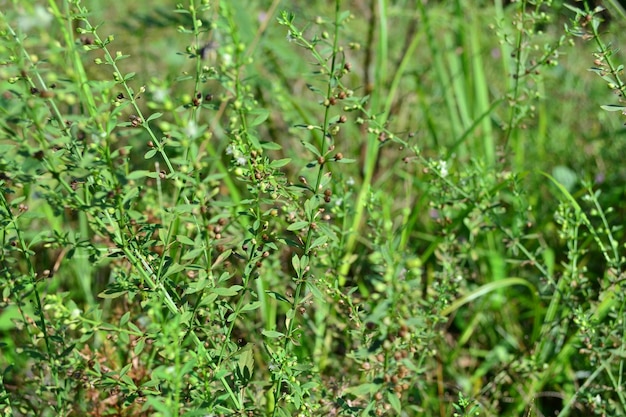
{"x":277,"y":296}
{"x":602,"y":74}
{"x":280,"y":163}
{"x":282,"y":412}
{"x":311,"y":148}
{"x":245,"y":363}
{"x":251,"y":306}
{"x":38,"y":238}
{"x":315,"y":291}
{"x":261,"y":115}
{"x":130,"y":196}
{"x":271,"y":146}
{"x":154,"y":116}
{"x":613,"y":107}
{"x":295,"y":261}
{"x":159,"y":406}
{"x":394,"y":401}
{"x":67,"y":351}
{"x":124,"y":319}
{"x":141,"y":343}
{"x":142,"y":173}
{"x":319,"y":241}
{"x":185,"y":240}
{"x":134,"y":328}
{"x":187,"y":367}
{"x":112,"y":293}
{"x":364,"y":389}
{"x":224,"y":277}
{"x":196,"y":286}
{"x":192,"y":254}
{"x":227,"y":292}
{"x":344,"y":15}
{"x":4,"y":149}
{"x":184,"y":208}
{"x":222,"y":257}
{"x":150,"y":154}
{"x":172,"y":269}
{"x":272,"y":334}
{"x":311,"y":204}
{"x":488,"y":288}
{"x":254,"y":141}
{"x":297,"y":226}
{"x":125,"y":369}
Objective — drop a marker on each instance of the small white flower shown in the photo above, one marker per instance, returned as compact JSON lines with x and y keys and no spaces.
{"x":191,"y":129}
{"x":230,"y":150}
{"x":227,"y":59}
{"x":442,"y":167}
{"x":160,"y":94}
{"x":350,"y":182}
{"x":242,"y":161}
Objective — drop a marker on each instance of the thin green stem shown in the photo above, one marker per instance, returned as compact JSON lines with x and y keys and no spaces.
{"x":326,"y":135}
{"x":39,"y":310}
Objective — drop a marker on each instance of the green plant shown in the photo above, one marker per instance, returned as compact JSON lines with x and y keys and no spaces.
{"x":227,"y":209}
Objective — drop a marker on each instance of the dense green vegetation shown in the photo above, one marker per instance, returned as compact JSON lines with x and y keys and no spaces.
{"x":345,"y":208}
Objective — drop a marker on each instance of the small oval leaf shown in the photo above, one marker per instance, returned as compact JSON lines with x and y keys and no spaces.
{"x":272,"y":334}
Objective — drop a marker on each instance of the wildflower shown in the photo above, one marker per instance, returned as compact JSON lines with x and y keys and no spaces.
{"x":159,"y":94}
{"x":442,"y":167}
{"x":191,"y":129}
{"x":227,"y":59}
